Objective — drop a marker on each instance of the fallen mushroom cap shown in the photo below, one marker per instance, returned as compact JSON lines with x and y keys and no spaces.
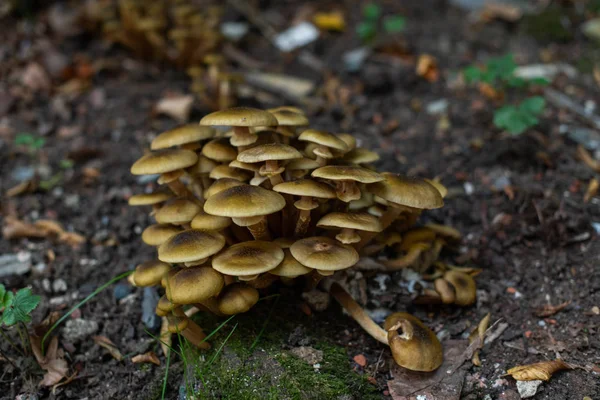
{"x":150,"y":273}
{"x":194,"y":285}
{"x":248,"y":258}
{"x":410,"y":192}
{"x":182,"y":135}
{"x":178,"y":211}
{"x":157,"y":234}
{"x":190,"y":245}
{"x":414,"y":346}
{"x":324,"y":253}
{"x":237,"y":298}
{"x":244,"y":201}
{"x":162,"y":161}
{"x":347,"y":173}
{"x":239,"y":116}
{"x":147,"y":199}
{"x":464,"y":285}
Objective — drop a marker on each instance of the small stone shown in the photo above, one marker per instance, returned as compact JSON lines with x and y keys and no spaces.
{"x":121,"y":290}
{"x":310,"y":355}
{"x":59,"y":286}
{"x":149,"y":302}
{"x":528,"y":389}
{"x":22,"y":174}
{"x":46,"y":285}
{"x":437,"y":107}
{"x":234,"y":31}
{"x":361,"y":360}
{"x":77,"y":329}
{"x":15,"y":264}
{"x":596,"y":310}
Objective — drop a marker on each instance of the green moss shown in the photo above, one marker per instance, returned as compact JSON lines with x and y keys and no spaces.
{"x":269,"y":370}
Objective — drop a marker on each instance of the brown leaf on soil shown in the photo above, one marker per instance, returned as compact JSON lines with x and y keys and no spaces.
{"x":35,"y":77}
{"x":53,"y":362}
{"x":23,"y":187}
{"x":108,"y":345}
{"x":587,"y":158}
{"x":149,"y":357}
{"x":538,"y":371}
{"x":506,"y":12}
{"x":479,"y":333}
{"x":427,"y":68}
{"x":14,"y":228}
{"x":592,"y":190}
{"x":177,"y":107}
{"x":548,"y":309}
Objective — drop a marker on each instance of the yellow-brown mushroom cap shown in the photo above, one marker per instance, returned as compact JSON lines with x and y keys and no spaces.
{"x":349,"y":139}
{"x":360,"y":156}
{"x":157,"y":234}
{"x":182,"y":135}
{"x":225,"y":171}
{"x":324,"y":253}
{"x":205,"y":221}
{"x":239,"y":116}
{"x":358,"y":221}
{"x":268,"y":152}
{"x":302,"y":164}
{"x":290,"y":118}
{"x":306,"y":187}
{"x":404,"y":191}
{"x":203,"y":166}
{"x":286,"y":108}
{"x":414,"y":346}
{"x":219,"y":150}
{"x":323,"y":138}
{"x":445,"y":290}
{"x":237,"y":298}
{"x":190,"y":245}
{"x":290,"y":267}
{"x":150,"y":273}
{"x":194,"y":285}
{"x":436,"y":184}
{"x":347,"y":173}
{"x":244,"y":201}
{"x":248,"y":258}
{"x":178,"y":211}
{"x":464,"y":285}
{"x":162,"y":161}
{"x":146,"y":199}
{"x":220,"y":185}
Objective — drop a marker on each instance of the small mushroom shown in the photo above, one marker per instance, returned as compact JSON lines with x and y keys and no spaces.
{"x":240,"y":118}
{"x":163,"y":162}
{"x":194,"y":285}
{"x":220,"y":185}
{"x":445,"y":290}
{"x":219,"y":150}
{"x":290,"y":267}
{"x":237,"y":298}
{"x":188,"y":329}
{"x":324,"y":143}
{"x":349,"y":223}
{"x":346,"y":179}
{"x":360,"y":156}
{"x":288,"y":121}
{"x":157,"y":234}
{"x":323,"y":253}
{"x":182,"y":136}
{"x":177,"y":212}
{"x":153,"y":199}
{"x":271,"y":154}
{"x":150,"y":273}
{"x":464,"y":285}
{"x":190,"y":246}
{"x":225,"y":171}
{"x":248,"y":259}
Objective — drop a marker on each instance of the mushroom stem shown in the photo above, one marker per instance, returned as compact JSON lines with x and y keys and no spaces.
{"x":210,"y":305}
{"x":358,"y":314}
{"x":243,"y":137}
{"x":195,"y":335}
{"x":180,"y":189}
{"x":260,"y":230}
{"x":387,"y":218}
{"x":302,"y":223}
{"x":405,"y":261}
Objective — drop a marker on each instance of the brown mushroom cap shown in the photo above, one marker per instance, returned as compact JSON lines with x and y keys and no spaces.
{"x":219,"y":150}
{"x":445,"y":290}
{"x":360,"y":156}
{"x":203,"y":166}
{"x":323,"y":138}
{"x":220,"y":185}
{"x":147,"y":199}
{"x":302,"y":164}
{"x":150,"y":273}
{"x":237,"y":298}
{"x":268,"y":152}
{"x":248,"y":258}
{"x":290,"y":267}
{"x":157,"y":234}
{"x":286,"y":108}
{"x":323,"y":253}
{"x":194,"y":285}
{"x":245,"y":166}
{"x":347,"y":173}
{"x":358,"y":221}
{"x":190,"y":245}
{"x":306,"y":187}
{"x":178,"y":211}
{"x":414,"y":346}
{"x":464,"y":285}
{"x":207,"y":222}
{"x":162,"y":161}
{"x":349,"y":139}
{"x":290,"y":118}
{"x":239,"y":116}
{"x":244,"y":201}
{"x":225,"y":171}
{"x":404,"y":191}
{"x":182,"y":135}
{"x":436,"y":184}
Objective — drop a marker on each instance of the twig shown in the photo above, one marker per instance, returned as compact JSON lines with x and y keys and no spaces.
{"x":560,"y":100}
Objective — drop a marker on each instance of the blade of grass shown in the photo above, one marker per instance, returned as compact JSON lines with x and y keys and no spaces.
{"x":264,"y":325}
{"x":158,"y":340}
{"x":221,"y":347}
{"x":217,"y":329}
{"x":82,"y":302}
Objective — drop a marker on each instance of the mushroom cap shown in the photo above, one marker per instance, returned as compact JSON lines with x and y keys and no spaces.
{"x":244,"y":201}
{"x":323,"y":138}
{"x":219,"y":150}
{"x":237,"y":298}
{"x":225,"y":171}
{"x":182,"y":135}
{"x":207,"y":222}
{"x":414,"y":346}
{"x":248,"y":258}
{"x":245,"y":166}
{"x":221,"y":184}
{"x":323,"y":253}
{"x":441,"y":188}
{"x":290,"y":118}
{"x":190,"y":245}
{"x":358,"y":221}
{"x":157,"y":234}
{"x":410,"y":192}
{"x":150,"y":273}
{"x":267,"y":152}
{"x":302,"y":163}
{"x":162,"y":161}
{"x":286,"y":108}
{"x":203,"y":166}
{"x":239,"y":116}
{"x":178,"y":211}
{"x":306,"y":187}
{"x":464,"y":285}
{"x":360,"y":156}
{"x":146,"y":199}
{"x":290,"y":267}
{"x":347,"y":173}
{"x":349,"y":139}
{"x":445,"y":290}
{"x":194,"y":285}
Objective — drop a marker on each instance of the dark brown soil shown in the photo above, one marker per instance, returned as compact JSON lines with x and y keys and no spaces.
{"x":535,"y":240}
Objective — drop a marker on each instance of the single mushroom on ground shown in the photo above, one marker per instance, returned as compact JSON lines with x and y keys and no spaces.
{"x":241,"y":119}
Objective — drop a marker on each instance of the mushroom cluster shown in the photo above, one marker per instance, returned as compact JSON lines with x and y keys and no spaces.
{"x":251,"y":197}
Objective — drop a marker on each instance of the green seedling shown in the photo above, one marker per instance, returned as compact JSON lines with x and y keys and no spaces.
{"x":368,"y":28}
{"x":31,"y":142}
{"x":499,"y":72}
{"x":517,"y":119}
{"x":16,"y":311}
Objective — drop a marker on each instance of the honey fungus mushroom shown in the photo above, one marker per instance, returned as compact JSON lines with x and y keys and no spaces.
{"x":346,"y":178}
{"x":165,"y":162}
{"x":271,"y":154}
{"x":241,"y":119}
{"x":324,"y":143}
{"x":187,"y":136}
{"x":248,"y":259}
{"x":349,"y":223}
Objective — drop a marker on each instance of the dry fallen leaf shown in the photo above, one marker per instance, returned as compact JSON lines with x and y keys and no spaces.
{"x":587,"y":158}
{"x":548,"y":309}
{"x":53,"y":362}
{"x":149,"y":357}
{"x":14,"y":228}
{"x":479,"y":333}
{"x":108,"y":345}
{"x":330,"y":21}
{"x":592,"y":190}
{"x":427,"y":68}
{"x":177,"y":107}
{"x":538,"y":371}
{"x":23,"y":187}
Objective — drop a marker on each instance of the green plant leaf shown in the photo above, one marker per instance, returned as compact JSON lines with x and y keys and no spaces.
{"x":371,"y":12}
{"x":23,"y":303}
{"x":24,"y":139}
{"x":539,"y":81}
{"x":533,"y":105}
{"x":366,"y":30}
{"x":503,"y":115}
{"x":472,"y":74}
{"x":517,"y":82}
{"x":394,"y":23}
